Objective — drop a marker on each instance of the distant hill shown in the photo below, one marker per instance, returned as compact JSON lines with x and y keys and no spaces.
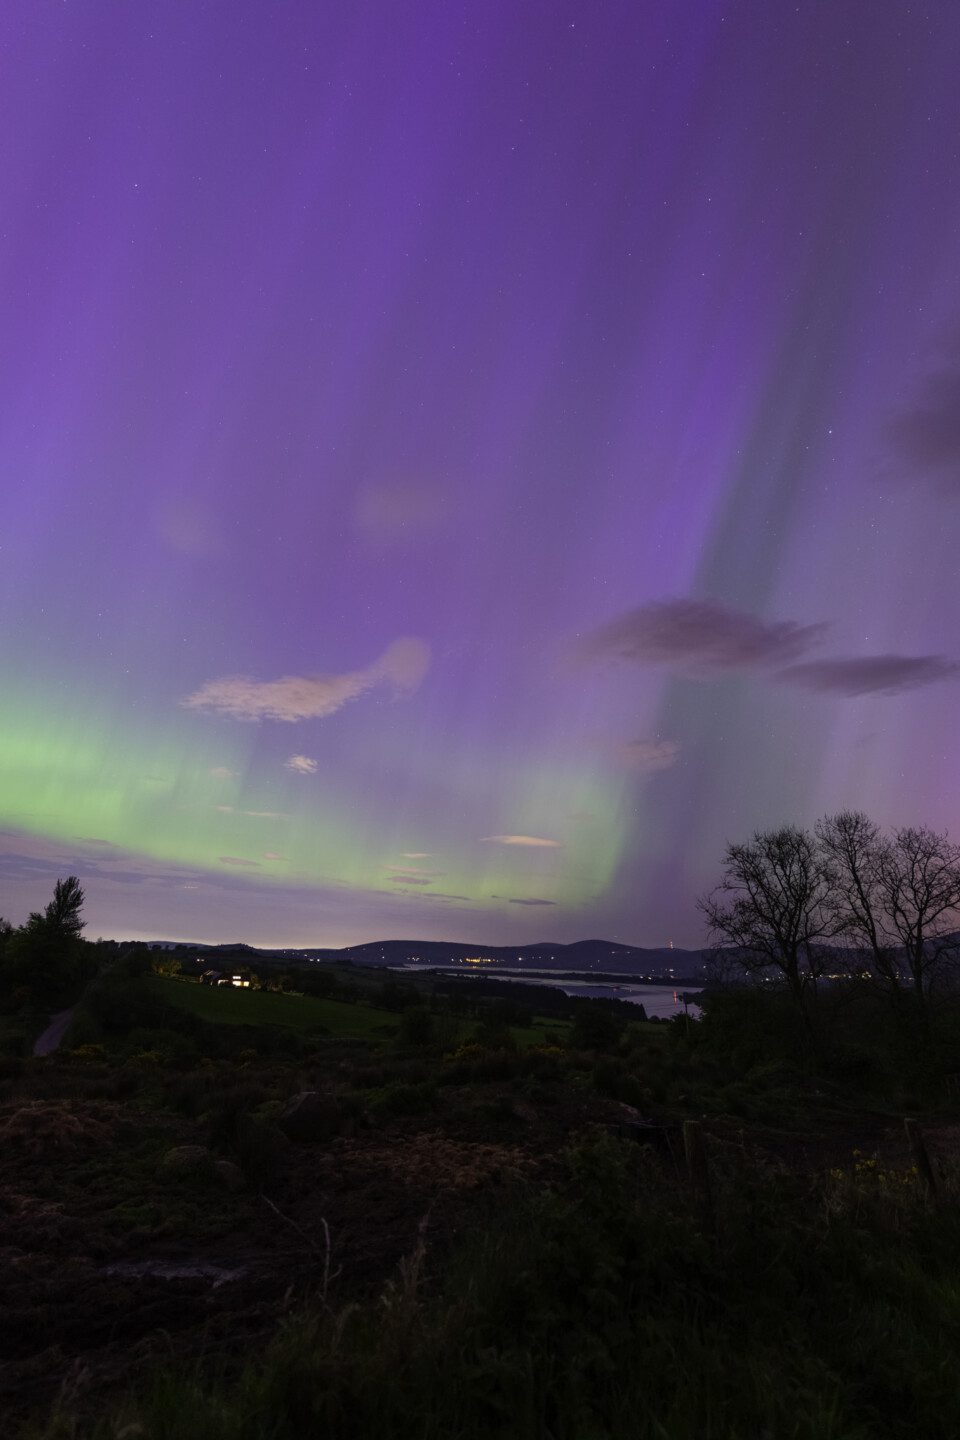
{"x":606,"y":956}
{"x":583,"y":956}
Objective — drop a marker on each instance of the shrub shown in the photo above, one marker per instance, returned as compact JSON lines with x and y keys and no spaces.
{"x":42,"y":1125}
{"x":395,"y":994}
{"x":472,"y":1062}
{"x":493,"y":1034}
{"x":230,"y":1105}
{"x":400,"y":1099}
{"x":612,"y":1077}
{"x":319,"y":982}
{"x":417,"y":1027}
{"x":595,"y":1027}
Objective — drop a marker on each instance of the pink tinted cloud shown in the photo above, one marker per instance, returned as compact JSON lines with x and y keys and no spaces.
{"x":311,"y":697}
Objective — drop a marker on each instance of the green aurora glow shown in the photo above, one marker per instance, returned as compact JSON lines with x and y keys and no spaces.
{"x":170,"y":793}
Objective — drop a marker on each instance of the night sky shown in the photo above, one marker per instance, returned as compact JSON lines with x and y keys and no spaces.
{"x":462,"y":463}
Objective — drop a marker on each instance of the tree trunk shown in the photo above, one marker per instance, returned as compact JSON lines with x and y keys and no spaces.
{"x":926,"y":1045}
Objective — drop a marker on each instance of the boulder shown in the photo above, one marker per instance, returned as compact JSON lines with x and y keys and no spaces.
{"x":229,"y":1175}
{"x":312,"y":1116}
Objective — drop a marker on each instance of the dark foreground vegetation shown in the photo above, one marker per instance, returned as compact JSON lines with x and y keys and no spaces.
{"x":403,"y":1209}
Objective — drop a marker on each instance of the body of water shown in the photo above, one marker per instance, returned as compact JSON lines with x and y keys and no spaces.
{"x":660,"y":1000}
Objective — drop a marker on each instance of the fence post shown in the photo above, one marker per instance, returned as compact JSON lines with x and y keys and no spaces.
{"x":921,"y":1158}
{"x":698,"y":1171}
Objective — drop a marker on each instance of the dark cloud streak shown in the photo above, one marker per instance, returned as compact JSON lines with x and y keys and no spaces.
{"x":871,"y":674}
{"x":699,"y":638}
{"x":704,"y":640}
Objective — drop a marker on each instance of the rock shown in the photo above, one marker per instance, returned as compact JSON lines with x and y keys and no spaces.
{"x":230,"y":1175}
{"x":311,"y":1116}
{"x":664,"y":1139}
{"x":194,"y":1162}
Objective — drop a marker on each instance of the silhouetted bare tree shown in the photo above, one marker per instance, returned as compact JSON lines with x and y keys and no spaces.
{"x":787,"y":898}
{"x":920,"y":889}
{"x":772,"y":907}
{"x":853,"y":854}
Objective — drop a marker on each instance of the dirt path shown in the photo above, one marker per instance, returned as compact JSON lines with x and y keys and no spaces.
{"x":54,"y":1033}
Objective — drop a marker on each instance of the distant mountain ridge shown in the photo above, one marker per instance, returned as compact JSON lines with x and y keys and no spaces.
{"x":603,"y":956}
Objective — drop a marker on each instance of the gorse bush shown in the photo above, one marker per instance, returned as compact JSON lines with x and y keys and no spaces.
{"x":399,"y":1098}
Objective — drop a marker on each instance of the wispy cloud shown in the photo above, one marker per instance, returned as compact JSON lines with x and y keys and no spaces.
{"x":646,"y":757}
{"x":271,"y":855}
{"x":239,"y":862}
{"x":302,"y":764}
{"x":222,"y":772}
{"x":699,"y":637}
{"x":400,"y":879}
{"x":871,"y":674}
{"x":531,"y":840}
{"x":416,"y":854}
{"x":305,"y":697}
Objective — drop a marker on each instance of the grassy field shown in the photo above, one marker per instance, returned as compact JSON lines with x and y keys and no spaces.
{"x":541,"y":1032}
{"x":224,"y":1005}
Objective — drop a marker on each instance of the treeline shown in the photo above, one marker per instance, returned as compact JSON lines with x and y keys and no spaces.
{"x":474,"y":997}
{"x":845,"y":913}
{"x":45,"y":964}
